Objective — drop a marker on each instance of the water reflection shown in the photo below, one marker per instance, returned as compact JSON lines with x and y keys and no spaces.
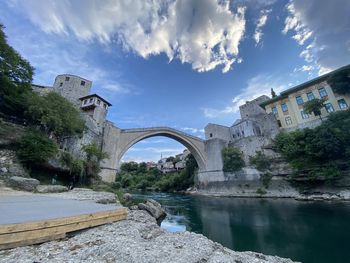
{"x":308,"y":232}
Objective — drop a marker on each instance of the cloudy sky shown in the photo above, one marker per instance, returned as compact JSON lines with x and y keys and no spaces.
{"x":179,"y":63}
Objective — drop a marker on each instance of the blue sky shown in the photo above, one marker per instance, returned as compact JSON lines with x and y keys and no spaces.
{"x":179,"y":63}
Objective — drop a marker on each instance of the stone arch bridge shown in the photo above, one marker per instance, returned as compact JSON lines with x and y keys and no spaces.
{"x":117,"y":141}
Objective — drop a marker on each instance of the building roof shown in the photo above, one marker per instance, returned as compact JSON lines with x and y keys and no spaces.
{"x":41,"y":86}
{"x":95,"y":95}
{"x":71,"y":75}
{"x":284,"y":94}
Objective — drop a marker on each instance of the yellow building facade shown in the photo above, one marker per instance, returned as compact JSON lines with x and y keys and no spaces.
{"x":288,"y":106}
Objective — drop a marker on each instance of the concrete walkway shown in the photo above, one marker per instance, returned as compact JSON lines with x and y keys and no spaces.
{"x":27,"y":208}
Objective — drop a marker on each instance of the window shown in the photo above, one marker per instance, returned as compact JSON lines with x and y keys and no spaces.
{"x":288,"y":120}
{"x":105,"y":105}
{"x":210,"y":135}
{"x":274,"y":111}
{"x":279,"y":123}
{"x":61,"y":84}
{"x":304,"y":115}
{"x":98,"y":102}
{"x":323,"y":92}
{"x":82,"y":83}
{"x":284,"y":107}
{"x":67,"y":78}
{"x":90,"y":100}
{"x":329,"y":107}
{"x":299,"y":100}
{"x":310,"y":95}
{"x":342,"y":104}
{"x":85,"y":101}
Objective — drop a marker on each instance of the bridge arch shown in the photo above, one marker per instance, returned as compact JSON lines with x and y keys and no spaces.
{"x":129,"y":137}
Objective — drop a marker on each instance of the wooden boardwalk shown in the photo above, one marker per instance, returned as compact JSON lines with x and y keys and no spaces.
{"x":26,"y":220}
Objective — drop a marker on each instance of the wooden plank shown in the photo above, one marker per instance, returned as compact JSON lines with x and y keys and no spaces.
{"x":28,"y":242}
{"x":13,"y":238}
{"x":13,"y":228}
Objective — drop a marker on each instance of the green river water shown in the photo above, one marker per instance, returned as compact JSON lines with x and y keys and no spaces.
{"x":311,"y":232}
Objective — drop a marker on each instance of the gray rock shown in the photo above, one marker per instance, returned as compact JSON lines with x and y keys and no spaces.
{"x":51,"y":188}
{"x":127,"y":197}
{"x":17,"y":169}
{"x":3,"y":170}
{"x":154,"y":209}
{"x":135,"y":240}
{"x":22,"y":183}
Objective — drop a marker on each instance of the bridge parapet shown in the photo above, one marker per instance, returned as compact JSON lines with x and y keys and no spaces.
{"x":134,"y":130}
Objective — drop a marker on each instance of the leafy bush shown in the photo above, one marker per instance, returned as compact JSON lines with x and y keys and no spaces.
{"x":233,"y":159}
{"x":261,"y":191}
{"x":260,"y":161}
{"x":266,"y":179}
{"x":36,"y":148}
{"x":54,"y":114}
{"x":328,"y":145}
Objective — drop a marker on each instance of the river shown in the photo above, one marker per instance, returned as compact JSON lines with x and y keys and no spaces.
{"x":303,"y":231}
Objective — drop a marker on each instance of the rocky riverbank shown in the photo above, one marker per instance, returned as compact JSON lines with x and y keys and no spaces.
{"x":343,"y":195}
{"x":136,"y":240}
{"x":276,"y":188}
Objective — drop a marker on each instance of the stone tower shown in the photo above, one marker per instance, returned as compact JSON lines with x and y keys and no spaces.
{"x":72,"y":87}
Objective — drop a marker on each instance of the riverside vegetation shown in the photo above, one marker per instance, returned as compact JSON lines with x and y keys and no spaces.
{"x":137,"y":176}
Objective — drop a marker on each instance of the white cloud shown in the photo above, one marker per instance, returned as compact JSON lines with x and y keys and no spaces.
{"x":256,"y":86}
{"x":204,"y":33}
{"x":304,"y":68}
{"x":260,"y":24}
{"x":327,"y":25}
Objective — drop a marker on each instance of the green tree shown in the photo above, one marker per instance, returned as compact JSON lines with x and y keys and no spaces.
{"x":314,"y":106}
{"x":54,"y":114}
{"x":233,"y":159}
{"x":15,"y":77}
{"x":340,"y":81}
{"x":129,"y":167}
{"x":12,"y":65}
{"x":36,"y":148}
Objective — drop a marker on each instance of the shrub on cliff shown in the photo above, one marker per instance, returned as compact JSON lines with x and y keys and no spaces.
{"x":233,"y":159}
{"x":260,"y":161}
{"x":54,"y":114}
{"x":328,"y":145}
{"x":36,"y":148}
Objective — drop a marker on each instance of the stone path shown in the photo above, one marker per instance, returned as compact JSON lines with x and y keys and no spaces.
{"x":26,"y":208}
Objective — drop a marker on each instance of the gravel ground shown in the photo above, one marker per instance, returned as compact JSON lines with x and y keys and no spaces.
{"x":135,"y":240}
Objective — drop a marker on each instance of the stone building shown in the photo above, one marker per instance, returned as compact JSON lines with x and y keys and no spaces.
{"x":95,"y":106}
{"x":288,"y":106}
{"x":93,"y":109}
{"x":72,"y":87}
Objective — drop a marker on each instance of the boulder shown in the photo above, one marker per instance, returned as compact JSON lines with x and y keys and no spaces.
{"x":51,"y":189}
{"x":127,"y":197}
{"x":22,"y":183}
{"x":154,"y":209}
{"x":3,"y":170}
